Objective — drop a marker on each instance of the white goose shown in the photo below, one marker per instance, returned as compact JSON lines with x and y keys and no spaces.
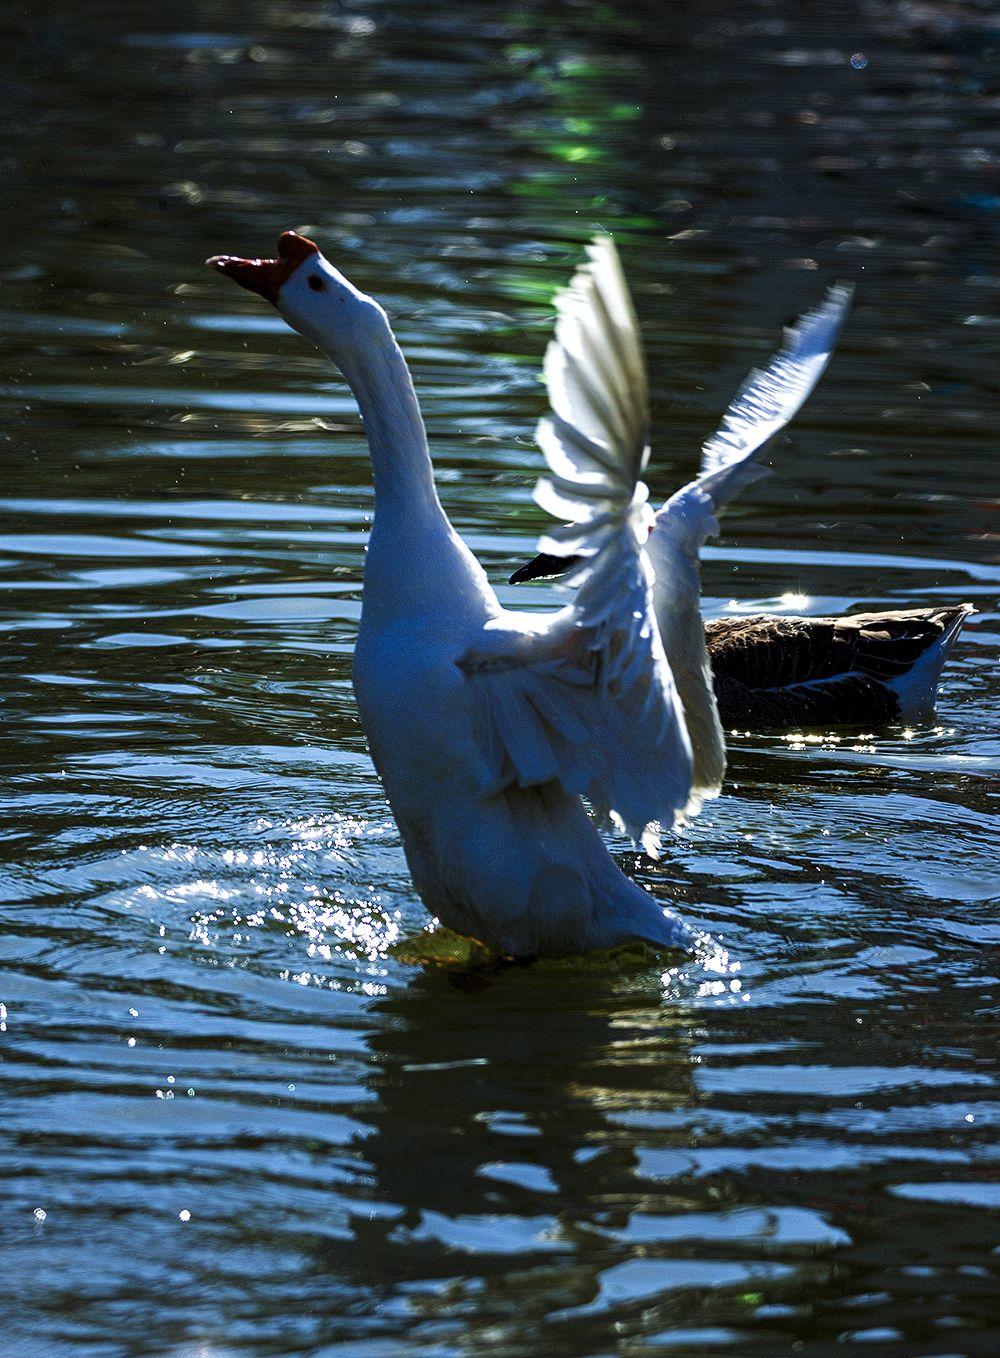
{"x":487,"y":726}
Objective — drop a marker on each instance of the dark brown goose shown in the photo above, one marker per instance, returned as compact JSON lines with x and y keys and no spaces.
{"x":862,"y":669}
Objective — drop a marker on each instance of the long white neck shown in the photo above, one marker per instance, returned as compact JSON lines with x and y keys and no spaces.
{"x":401,"y":462}
{"x":416,"y":561}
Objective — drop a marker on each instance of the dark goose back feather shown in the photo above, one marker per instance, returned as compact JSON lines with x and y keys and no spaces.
{"x":782,"y":671}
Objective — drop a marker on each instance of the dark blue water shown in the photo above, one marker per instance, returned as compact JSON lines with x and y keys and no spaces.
{"x":237,"y":1116}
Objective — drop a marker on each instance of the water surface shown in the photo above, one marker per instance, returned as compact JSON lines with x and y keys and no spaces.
{"x":235,"y":1119}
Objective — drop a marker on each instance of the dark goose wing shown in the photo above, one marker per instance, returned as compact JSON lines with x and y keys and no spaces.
{"x":862,"y":670}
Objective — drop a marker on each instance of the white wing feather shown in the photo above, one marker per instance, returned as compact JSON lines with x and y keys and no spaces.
{"x":771,"y":397}
{"x":763,"y":406}
{"x":586,"y":696}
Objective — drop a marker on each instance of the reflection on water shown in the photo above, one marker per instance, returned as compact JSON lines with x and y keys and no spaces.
{"x":238,"y":1118}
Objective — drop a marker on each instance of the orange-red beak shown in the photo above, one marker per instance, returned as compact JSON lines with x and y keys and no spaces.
{"x":267,"y":276}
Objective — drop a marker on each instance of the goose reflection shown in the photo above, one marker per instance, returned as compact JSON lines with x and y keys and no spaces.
{"x":500,"y":1130}
{"x":541,"y":1169}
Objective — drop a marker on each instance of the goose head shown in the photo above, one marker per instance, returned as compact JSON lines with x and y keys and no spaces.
{"x":312,"y":296}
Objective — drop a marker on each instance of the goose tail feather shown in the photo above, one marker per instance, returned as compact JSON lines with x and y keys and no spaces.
{"x":916,"y":689}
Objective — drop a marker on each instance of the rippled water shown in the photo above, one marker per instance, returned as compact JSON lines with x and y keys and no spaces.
{"x":237,"y":1116}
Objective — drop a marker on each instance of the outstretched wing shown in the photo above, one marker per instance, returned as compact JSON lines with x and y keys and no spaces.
{"x":585,"y":696}
{"x":770,"y":398}
{"x":764,"y":404}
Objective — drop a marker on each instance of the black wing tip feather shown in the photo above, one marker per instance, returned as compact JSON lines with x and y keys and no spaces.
{"x":545,"y":566}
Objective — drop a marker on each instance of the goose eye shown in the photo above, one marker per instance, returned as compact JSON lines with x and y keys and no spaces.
{"x":316,"y":283}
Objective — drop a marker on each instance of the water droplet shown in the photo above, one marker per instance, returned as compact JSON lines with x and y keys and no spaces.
{"x":859,"y":61}
{"x":40,"y":1214}
{"x":184,"y":1215}
{"x":133,"y":1013}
